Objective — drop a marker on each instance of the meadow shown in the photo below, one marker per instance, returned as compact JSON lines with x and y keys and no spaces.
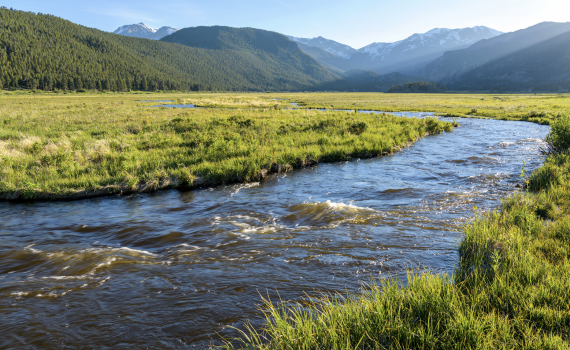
{"x":510,"y":290}
{"x":56,"y":146}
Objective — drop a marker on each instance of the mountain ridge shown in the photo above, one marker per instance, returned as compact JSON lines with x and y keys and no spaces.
{"x":50,"y":53}
{"x":406,"y":56}
{"x":513,"y":59}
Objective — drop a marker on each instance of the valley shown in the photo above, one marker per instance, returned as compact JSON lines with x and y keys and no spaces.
{"x":229,"y":187}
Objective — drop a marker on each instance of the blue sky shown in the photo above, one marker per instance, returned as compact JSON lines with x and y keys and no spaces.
{"x":356,"y":23}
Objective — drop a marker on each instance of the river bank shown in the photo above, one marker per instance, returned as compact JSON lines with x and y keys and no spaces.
{"x":510,"y":289}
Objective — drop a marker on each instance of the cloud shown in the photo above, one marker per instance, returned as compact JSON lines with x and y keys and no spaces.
{"x":124,"y":14}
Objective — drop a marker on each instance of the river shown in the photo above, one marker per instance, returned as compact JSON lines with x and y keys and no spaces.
{"x":171,"y":269}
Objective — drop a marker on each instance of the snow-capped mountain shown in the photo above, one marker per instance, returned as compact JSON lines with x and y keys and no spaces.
{"x":438,"y":38}
{"x":141,"y":30}
{"x":406,"y":56}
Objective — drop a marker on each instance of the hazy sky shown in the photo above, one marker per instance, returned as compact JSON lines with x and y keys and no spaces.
{"x":356,"y":23}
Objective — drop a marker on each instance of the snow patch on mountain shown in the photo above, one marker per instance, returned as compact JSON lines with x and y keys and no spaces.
{"x":379,"y":49}
{"x":152,"y":30}
{"x":141,"y":30}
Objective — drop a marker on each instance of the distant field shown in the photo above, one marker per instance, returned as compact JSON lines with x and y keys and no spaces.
{"x":541,"y":108}
{"x":83,"y":145}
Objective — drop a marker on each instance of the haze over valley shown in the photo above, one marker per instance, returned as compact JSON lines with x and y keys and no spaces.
{"x":462,"y":59}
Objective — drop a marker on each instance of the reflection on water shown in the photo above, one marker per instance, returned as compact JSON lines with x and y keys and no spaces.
{"x":170,"y":269}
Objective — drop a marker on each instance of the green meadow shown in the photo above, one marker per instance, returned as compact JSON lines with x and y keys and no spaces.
{"x":82,"y":145}
{"x":76,"y":145}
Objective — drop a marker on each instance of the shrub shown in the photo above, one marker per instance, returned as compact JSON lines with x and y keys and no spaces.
{"x":559,"y":137}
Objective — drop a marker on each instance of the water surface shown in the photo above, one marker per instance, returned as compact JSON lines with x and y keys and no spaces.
{"x":170,"y":269}
{"x":176,"y":105}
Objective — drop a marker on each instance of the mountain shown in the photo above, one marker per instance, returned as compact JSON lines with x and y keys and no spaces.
{"x":270,"y":56}
{"x":531,"y":56}
{"x":47,"y":52}
{"x":321,"y":56}
{"x":141,"y":30}
{"x":331,"y":46}
{"x":408,"y":56}
{"x":275,"y":55}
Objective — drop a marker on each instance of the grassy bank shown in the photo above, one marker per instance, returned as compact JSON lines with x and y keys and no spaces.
{"x":510,"y":290}
{"x":541,"y":108}
{"x":77,"y":146}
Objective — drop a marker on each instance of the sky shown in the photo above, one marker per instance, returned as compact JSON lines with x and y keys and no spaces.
{"x":356,"y":23}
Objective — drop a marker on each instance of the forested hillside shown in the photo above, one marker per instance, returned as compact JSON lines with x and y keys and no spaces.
{"x":40,"y":51}
{"x":272,"y":57}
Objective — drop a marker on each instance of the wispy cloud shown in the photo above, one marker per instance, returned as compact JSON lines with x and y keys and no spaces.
{"x":125,"y":14}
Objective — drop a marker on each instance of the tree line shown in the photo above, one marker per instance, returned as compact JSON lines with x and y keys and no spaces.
{"x":417,"y":86}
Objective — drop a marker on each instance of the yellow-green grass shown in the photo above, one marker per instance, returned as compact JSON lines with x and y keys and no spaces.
{"x":82,"y":145}
{"x":541,"y":108}
{"x":510,"y":290}
{"x":538,"y":108}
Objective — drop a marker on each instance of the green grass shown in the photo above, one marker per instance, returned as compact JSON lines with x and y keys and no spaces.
{"x":510,"y":290}
{"x":81,"y":145}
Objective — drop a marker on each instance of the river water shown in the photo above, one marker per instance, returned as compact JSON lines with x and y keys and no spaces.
{"x":171,"y":269}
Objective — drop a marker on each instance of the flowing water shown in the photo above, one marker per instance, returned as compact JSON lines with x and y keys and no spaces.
{"x":172,"y":269}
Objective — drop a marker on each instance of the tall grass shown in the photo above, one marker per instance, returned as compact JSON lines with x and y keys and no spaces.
{"x":510,"y":290}
{"x":77,"y":146}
